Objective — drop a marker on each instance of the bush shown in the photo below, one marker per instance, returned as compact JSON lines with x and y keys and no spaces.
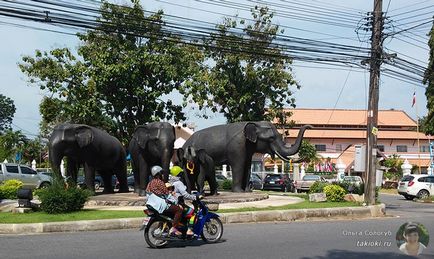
{"x":225,"y":185}
{"x":59,"y":199}
{"x":9,"y":188}
{"x":317,"y":187}
{"x":334,"y":192}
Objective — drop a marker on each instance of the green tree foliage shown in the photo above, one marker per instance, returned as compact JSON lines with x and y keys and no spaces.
{"x":7,"y":111}
{"x":11,"y":142}
{"x":246,"y":71}
{"x":307,"y":152}
{"x":123,"y":70}
{"x":428,"y":122}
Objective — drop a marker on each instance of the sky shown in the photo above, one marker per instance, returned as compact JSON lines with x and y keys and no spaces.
{"x":321,"y":86}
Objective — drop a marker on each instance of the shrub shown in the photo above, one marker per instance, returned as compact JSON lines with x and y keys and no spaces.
{"x":334,"y":192}
{"x":9,"y":188}
{"x":225,"y":185}
{"x":58,"y":199}
{"x":317,"y":187}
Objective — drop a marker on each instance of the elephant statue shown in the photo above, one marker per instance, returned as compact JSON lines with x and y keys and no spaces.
{"x":235,"y":144}
{"x":151,"y":144}
{"x":95,"y":149}
{"x":198,"y":167}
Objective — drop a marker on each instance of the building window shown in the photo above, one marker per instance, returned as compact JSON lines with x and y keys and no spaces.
{"x":380,"y":148}
{"x":424,"y":149}
{"x":400,"y":148}
{"x":320,"y":147}
{"x":338,"y":147}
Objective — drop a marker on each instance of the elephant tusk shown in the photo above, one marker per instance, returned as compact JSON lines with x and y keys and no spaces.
{"x":286,"y":159}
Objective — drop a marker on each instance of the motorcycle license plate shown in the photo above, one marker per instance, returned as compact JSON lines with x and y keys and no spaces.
{"x":271,"y":182}
{"x":146,"y":221}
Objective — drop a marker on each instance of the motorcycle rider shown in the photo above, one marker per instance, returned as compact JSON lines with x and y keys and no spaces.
{"x":176,"y":176}
{"x":158,"y":187}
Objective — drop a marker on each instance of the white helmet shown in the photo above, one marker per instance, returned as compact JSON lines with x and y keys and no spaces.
{"x":156,"y":169}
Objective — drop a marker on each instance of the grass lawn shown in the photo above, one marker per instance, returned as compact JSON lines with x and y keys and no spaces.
{"x":88,"y":214}
{"x":389,"y":191}
{"x":302,"y":205}
{"x":39,"y":217}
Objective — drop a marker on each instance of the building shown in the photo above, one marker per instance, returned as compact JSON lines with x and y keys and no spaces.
{"x":336,"y":132}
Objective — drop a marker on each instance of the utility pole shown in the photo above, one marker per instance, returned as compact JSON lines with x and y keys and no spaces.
{"x":372,"y":120}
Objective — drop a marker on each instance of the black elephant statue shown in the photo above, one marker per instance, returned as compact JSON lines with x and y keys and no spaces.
{"x":235,"y":144}
{"x":95,"y":149}
{"x":151,"y":144}
{"x":199,"y":167}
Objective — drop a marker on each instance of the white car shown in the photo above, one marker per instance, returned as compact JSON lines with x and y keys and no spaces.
{"x":416,"y":185}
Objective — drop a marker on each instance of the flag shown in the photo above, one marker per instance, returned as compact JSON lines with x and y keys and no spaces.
{"x":414,"y":99}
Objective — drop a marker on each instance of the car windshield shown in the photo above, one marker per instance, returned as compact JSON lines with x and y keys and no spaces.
{"x":273,"y":177}
{"x":407,"y":178}
{"x":311,"y":178}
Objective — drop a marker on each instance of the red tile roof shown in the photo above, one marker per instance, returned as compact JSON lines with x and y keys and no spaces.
{"x":349,"y":117}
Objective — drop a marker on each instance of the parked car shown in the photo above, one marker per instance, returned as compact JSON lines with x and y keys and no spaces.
{"x":416,"y":185}
{"x":30,"y":178}
{"x":130,"y":182}
{"x":220,"y":179}
{"x":352,"y":179}
{"x":255,"y":182}
{"x":99,"y":183}
{"x":307,"y":181}
{"x":280,"y":182}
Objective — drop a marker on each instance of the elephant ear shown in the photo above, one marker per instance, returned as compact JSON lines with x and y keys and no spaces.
{"x":147,"y":134}
{"x":84,"y":136}
{"x":250,"y":132}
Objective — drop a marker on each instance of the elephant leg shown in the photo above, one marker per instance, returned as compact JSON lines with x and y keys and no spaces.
{"x":212,"y":181}
{"x":89,"y":177}
{"x":144,"y":174}
{"x":136,"y":173}
{"x":246,"y":174}
{"x":121,"y":175}
{"x":237,"y":176}
{"x":72,"y":171}
{"x":107,"y":179}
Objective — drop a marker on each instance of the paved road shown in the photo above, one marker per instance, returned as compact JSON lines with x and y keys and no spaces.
{"x":373,"y":238}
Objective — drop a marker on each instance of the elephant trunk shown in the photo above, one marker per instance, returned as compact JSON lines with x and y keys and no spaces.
{"x":283,"y":151}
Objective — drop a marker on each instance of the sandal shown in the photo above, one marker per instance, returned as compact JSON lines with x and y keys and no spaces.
{"x":174,"y":232}
{"x":189,"y":232}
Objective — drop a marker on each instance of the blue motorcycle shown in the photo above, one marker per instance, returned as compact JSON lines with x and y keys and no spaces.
{"x":207,"y":226}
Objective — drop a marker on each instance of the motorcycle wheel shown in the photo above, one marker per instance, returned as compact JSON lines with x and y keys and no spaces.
{"x":212,"y":231}
{"x":152,"y":231}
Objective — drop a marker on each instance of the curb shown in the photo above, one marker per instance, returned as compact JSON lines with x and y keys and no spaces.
{"x":227,"y":218}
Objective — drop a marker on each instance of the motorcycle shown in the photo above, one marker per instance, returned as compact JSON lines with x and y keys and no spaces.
{"x":207,"y":226}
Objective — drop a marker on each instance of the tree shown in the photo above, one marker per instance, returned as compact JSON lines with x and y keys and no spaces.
{"x":307,"y":152}
{"x":124,"y":69}
{"x":393,"y":164}
{"x":428,"y":126}
{"x":247,"y":72}
{"x":7,"y":111}
{"x":11,"y":143}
